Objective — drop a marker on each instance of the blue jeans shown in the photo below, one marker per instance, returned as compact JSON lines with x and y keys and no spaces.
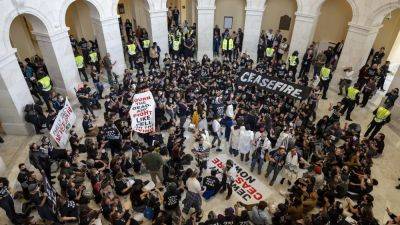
{"x":255,"y":161}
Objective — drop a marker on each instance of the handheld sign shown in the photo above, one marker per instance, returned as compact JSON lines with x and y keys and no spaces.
{"x":63,"y":123}
{"x":142,"y":113}
{"x":272,"y":84}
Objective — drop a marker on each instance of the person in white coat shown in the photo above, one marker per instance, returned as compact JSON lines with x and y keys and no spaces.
{"x":291,"y":167}
{"x":246,"y":138}
{"x":285,"y":139}
{"x":262,"y":145}
{"x":234,"y":141}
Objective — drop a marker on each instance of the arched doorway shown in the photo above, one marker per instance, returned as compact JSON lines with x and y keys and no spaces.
{"x":187,"y":11}
{"x":230,"y":14}
{"x":279,"y":15}
{"x":36,"y":54}
{"x":389,"y":38}
{"x":332,"y":24}
{"x":86,"y":35}
{"x":135,"y":12}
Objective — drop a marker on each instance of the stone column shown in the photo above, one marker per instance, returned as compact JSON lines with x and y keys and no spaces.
{"x":159,"y":29}
{"x":252,"y":29}
{"x":205,"y":28}
{"x":14,"y":96}
{"x":303,"y":33}
{"x":59,"y":58}
{"x":108,"y":37}
{"x":356,"y":48}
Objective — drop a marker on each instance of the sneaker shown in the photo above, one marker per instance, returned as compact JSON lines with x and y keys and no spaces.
{"x":219,"y":150}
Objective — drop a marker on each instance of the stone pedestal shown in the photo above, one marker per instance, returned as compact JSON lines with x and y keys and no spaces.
{"x":14,"y":96}
{"x":303,"y":33}
{"x":252,"y":29}
{"x":159,"y":30}
{"x":205,"y":28}
{"x":59,"y":58}
{"x":108,"y":37}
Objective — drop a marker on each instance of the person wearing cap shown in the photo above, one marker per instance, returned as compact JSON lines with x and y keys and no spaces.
{"x":382,"y":116}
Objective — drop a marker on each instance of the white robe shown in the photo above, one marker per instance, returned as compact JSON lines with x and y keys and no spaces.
{"x":246,"y":138}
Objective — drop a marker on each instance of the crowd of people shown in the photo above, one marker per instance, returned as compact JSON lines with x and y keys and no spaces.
{"x":324,"y":165}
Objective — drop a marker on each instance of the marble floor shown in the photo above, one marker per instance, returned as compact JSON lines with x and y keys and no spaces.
{"x":386,"y":169}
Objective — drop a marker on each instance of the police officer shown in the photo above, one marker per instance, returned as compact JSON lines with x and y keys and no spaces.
{"x":146,"y":49}
{"x":227,"y":47}
{"x":80,"y":63}
{"x":269,"y":54}
{"x":176,"y":45}
{"x":131,"y":46}
{"x":7,"y":203}
{"x":45,"y":87}
{"x":382,"y":116}
{"x":325,"y":78}
{"x":293,"y":61}
{"x":94,"y":59}
{"x":352,"y":98}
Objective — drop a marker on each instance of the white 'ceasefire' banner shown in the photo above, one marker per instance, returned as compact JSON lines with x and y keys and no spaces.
{"x":142,"y":113}
{"x":63,"y":123}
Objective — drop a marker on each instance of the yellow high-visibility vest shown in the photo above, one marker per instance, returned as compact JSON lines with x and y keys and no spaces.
{"x":79,"y":61}
{"x":269,"y":52}
{"x":292,"y":60}
{"x":325,"y":73}
{"x":93,"y":57}
{"x":175,"y":45}
{"x":46,"y":83}
{"x":132,"y":49}
{"x":352,"y":93}
{"x":381,"y":114}
{"x":231,"y":45}
{"x":224,"y":44}
{"x":146,"y":43}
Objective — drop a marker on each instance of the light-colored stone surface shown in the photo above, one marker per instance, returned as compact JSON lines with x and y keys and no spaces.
{"x":385,"y":169}
{"x":252,"y":30}
{"x":14,"y":95}
{"x":205,"y":27}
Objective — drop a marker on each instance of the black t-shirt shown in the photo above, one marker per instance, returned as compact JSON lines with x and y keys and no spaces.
{"x":227,"y":220}
{"x":171,"y":199}
{"x":120,"y":185}
{"x":69,"y":209}
{"x":71,"y":193}
{"x":210,"y":182}
{"x":242,"y":221}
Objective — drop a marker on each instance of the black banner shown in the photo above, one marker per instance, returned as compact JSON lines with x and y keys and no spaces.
{"x":271,"y":84}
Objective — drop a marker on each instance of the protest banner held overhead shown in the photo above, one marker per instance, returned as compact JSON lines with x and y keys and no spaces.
{"x":142,"y":113}
{"x":63,"y":124}
{"x":272,"y":84}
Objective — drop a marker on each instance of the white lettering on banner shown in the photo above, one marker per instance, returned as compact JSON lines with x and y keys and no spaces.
{"x":63,"y":123}
{"x":246,"y":186}
{"x":142,"y":112}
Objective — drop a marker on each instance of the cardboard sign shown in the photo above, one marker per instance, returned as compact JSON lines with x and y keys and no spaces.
{"x":63,"y":123}
{"x":246,"y":186}
{"x":142,"y":113}
{"x":272,"y":84}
